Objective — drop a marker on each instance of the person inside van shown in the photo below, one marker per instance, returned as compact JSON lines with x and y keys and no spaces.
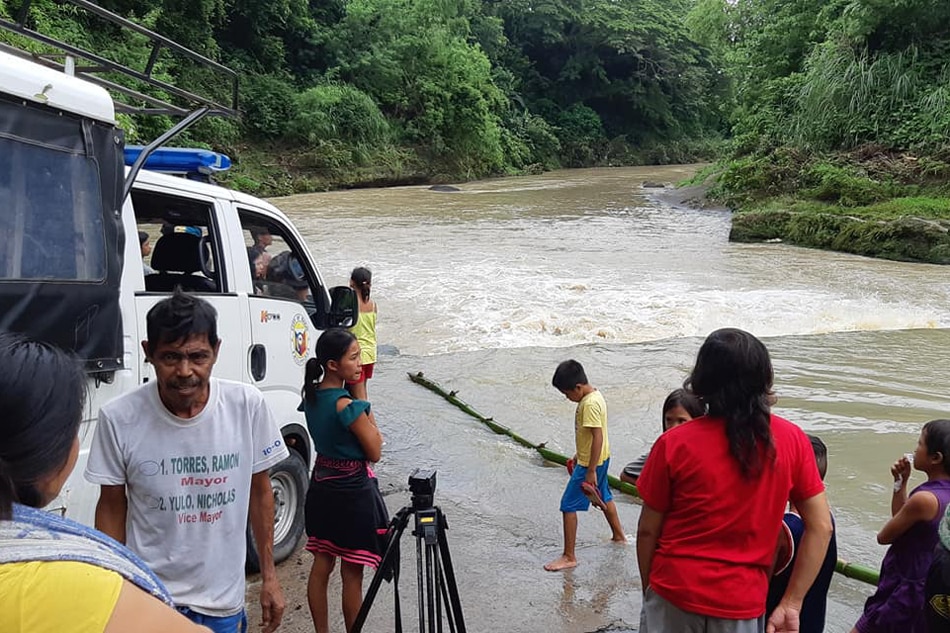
{"x":262,"y":238}
{"x":145,"y":247}
{"x":56,"y":574}
{"x":258,"y":261}
{"x":287,"y":278}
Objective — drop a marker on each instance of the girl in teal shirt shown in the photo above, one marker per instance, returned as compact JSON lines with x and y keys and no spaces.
{"x":345,"y":512}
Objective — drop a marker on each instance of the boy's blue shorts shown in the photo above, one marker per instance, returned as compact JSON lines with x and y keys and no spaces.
{"x":574,"y":499}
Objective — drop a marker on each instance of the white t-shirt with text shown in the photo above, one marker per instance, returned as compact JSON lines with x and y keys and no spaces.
{"x":188,"y":485}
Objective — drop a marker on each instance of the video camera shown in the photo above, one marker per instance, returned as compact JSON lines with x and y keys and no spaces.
{"x":422,"y":487}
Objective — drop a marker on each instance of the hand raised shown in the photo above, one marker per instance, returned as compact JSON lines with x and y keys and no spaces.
{"x":901,"y":469}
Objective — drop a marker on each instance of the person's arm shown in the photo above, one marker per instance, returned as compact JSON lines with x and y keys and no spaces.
{"x":596,"y":445}
{"x":368,"y":435}
{"x":366,"y":432}
{"x":900,"y":471}
{"x":922,"y":506}
{"x":261,"y":513}
{"x":138,"y":611}
{"x":111,"y":511}
{"x":648,"y":535}
{"x":816,"y":516}
{"x":631,"y":472}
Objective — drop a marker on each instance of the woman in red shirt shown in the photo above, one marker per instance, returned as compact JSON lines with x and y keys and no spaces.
{"x":714,"y":492}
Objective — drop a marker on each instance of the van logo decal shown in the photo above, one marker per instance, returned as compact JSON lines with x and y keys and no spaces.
{"x":269,"y":316}
{"x":301,"y":334}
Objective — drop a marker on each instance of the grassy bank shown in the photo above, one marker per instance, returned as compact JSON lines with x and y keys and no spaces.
{"x":866,"y":202}
{"x":279,"y":169}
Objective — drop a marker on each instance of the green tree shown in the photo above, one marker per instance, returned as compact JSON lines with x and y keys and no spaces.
{"x":631,"y":62}
{"x":415,"y":59}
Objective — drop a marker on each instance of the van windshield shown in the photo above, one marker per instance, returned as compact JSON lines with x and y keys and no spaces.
{"x":51,"y":221}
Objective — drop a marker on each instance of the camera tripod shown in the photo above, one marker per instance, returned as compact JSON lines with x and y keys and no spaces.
{"x":437,"y":588}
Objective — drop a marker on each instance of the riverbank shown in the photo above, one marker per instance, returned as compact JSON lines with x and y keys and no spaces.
{"x":866,"y":202}
{"x":280,"y":169}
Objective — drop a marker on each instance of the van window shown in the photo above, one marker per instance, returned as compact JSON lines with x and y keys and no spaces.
{"x":178,"y":243}
{"x":276,"y":263}
{"x":50,"y":215}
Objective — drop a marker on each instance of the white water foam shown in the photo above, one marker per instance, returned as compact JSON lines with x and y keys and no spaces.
{"x":524,"y":270}
{"x":480,"y":304}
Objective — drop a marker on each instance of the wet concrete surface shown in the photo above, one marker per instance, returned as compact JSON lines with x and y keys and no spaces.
{"x":502,"y":586}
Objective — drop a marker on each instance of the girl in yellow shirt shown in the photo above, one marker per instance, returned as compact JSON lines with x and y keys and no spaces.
{"x":361,"y":280}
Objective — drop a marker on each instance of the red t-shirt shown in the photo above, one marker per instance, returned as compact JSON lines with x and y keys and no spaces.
{"x":717,"y":543}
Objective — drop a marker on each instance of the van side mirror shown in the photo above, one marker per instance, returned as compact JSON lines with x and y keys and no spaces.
{"x":344,"y":307}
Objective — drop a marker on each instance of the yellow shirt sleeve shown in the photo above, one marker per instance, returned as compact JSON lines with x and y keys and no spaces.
{"x":54,"y":597}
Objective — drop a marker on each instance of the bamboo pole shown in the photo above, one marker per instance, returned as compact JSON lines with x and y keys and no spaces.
{"x":849,"y":570}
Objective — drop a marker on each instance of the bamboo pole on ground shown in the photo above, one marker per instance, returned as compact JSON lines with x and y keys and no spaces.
{"x":849,"y":570}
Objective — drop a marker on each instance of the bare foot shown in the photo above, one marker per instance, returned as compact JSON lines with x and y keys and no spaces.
{"x":561,"y":563}
{"x":622,"y":539}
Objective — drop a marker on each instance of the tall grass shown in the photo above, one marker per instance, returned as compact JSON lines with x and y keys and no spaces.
{"x":848,"y":97}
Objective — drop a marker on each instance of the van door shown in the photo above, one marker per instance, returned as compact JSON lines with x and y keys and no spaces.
{"x":284,"y":291}
{"x":188,"y":250}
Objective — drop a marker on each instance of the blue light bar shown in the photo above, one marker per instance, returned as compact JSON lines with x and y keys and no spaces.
{"x":179,"y":160}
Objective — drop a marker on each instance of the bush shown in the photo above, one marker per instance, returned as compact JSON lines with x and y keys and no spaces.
{"x":831,"y":183}
{"x":268,"y":104}
{"x":529,"y":141}
{"x":581,"y":134}
{"x":759,"y":226}
{"x":337,"y":112}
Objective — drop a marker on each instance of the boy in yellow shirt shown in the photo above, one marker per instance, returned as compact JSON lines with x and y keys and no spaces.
{"x":592,"y":447}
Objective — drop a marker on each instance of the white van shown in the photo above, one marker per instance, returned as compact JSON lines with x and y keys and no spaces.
{"x":72,"y":272}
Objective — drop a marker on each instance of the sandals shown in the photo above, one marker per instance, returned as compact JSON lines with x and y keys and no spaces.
{"x":593,"y":495}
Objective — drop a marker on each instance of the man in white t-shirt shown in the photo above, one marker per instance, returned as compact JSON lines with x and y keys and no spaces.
{"x":182,"y":462}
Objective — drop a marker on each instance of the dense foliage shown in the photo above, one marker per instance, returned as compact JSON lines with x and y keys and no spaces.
{"x":835,"y":103}
{"x":839,"y":112}
{"x":455,"y":88}
{"x":848,"y":78}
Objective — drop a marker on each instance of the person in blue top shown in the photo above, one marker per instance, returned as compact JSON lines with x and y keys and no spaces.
{"x":345,"y":513}
{"x":811,"y":618}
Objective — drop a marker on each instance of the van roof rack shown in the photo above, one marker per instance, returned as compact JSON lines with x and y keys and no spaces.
{"x":95,"y":68}
{"x":92,"y":67}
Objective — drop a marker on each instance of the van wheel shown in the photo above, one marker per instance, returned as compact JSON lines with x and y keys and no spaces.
{"x":289,"y":481}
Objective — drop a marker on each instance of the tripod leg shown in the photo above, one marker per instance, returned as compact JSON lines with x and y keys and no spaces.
{"x":419,"y":583}
{"x":439,"y":585}
{"x":450,"y":575}
{"x":390,"y":559}
{"x":431,"y":589}
{"x":445,"y":598}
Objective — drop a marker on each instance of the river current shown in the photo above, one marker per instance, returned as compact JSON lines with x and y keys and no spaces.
{"x":488,"y":288}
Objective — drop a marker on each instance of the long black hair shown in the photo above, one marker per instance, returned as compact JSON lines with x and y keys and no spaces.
{"x":363,"y":279}
{"x":331,"y":345}
{"x":42,"y":393}
{"x":733,"y":376}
